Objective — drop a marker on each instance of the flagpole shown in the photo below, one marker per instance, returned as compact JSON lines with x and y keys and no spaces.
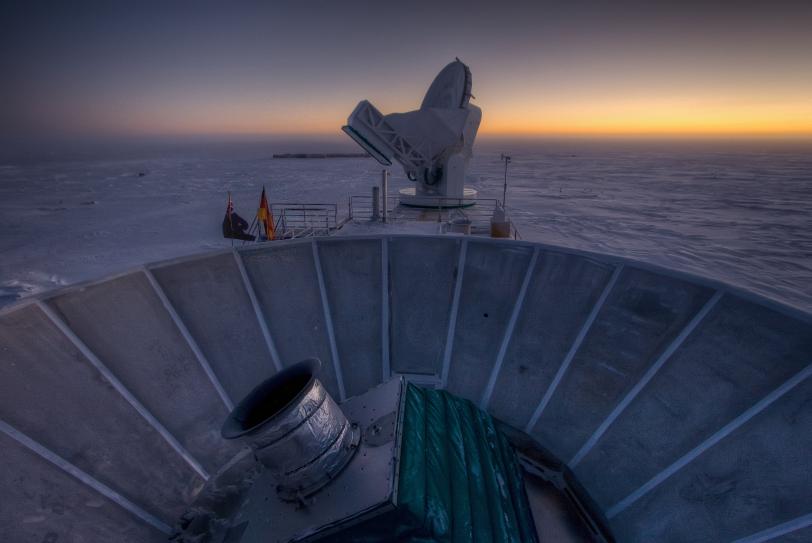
{"x":251,"y":229}
{"x":228,"y":209}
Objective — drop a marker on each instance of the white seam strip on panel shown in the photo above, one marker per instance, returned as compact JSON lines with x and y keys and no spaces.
{"x":452,"y":321}
{"x":420,"y":379}
{"x":83,"y":477}
{"x":784,"y":528}
{"x":573,"y":349}
{"x":328,"y":321}
{"x":386,"y":368}
{"x":723,"y":432}
{"x":122,"y":390}
{"x":263,"y":325}
{"x":644,"y":380}
{"x":514,"y":317}
{"x":201,"y":358}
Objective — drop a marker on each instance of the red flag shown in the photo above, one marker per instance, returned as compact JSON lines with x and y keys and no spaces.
{"x":265,"y":216}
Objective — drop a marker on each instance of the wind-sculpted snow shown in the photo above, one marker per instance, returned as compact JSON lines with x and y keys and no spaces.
{"x":739,"y":213}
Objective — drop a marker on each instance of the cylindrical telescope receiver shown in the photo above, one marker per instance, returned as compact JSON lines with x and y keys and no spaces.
{"x":296,"y":430}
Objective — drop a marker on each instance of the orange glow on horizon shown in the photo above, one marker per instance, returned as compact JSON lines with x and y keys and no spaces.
{"x":664,"y":117}
{"x":641,"y":127}
{"x":504,"y":117}
{"x":664,"y":69}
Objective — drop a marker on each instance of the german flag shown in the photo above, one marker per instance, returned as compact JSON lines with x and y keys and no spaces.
{"x":265,"y":216}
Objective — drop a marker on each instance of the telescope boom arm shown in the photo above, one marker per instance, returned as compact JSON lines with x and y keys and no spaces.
{"x":369,"y":128}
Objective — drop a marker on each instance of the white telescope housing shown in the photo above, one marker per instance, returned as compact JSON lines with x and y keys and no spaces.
{"x":433,"y":143}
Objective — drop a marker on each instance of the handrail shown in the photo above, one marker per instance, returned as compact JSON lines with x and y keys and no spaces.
{"x":360,"y":207}
{"x":297,"y":220}
{"x":302,"y":219}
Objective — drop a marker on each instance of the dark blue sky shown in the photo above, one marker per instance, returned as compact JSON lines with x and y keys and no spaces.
{"x":101,"y":69}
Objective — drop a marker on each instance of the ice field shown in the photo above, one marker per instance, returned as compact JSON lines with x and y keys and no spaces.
{"x":738,"y":212}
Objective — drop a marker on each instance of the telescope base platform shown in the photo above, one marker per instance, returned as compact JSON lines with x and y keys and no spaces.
{"x":409,"y":197}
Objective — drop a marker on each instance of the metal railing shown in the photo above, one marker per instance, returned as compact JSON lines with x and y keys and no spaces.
{"x":299,"y":220}
{"x":361,"y":208}
{"x":294,"y":220}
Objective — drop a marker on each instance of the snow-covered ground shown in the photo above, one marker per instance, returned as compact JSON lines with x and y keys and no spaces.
{"x":740,"y":213}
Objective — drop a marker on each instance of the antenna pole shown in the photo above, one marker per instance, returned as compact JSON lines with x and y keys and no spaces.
{"x":506,"y":159}
{"x":385,"y":193}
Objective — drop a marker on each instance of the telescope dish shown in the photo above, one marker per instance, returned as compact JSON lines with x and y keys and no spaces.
{"x":450,"y":89}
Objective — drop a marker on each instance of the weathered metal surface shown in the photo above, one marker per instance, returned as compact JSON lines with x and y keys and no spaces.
{"x":126,"y":326}
{"x":352,"y":276}
{"x":422,"y":274}
{"x":209,"y":296}
{"x":120,"y":358}
{"x":52,"y":394}
{"x":490,"y":284}
{"x":286,"y":284}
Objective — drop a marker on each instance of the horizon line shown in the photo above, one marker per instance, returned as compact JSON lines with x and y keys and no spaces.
{"x":338,"y":135}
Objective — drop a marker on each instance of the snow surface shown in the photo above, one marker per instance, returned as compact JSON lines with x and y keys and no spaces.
{"x":741,"y":213}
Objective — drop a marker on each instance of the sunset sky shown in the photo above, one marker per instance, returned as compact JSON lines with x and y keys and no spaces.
{"x":106,"y":69}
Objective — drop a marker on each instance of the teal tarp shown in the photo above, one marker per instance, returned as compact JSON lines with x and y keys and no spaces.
{"x":459,"y":479}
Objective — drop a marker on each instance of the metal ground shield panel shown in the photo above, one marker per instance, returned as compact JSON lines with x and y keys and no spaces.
{"x":755,"y":478}
{"x":41,"y":503}
{"x":491,"y":282}
{"x":353,"y":280}
{"x":643,"y":313}
{"x":562,"y":292}
{"x":422,"y":274}
{"x":127,"y":327}
{"x":51,"y":393}
{"x":210,"y":298}
{"x":737,"y":355}
{"x":285,"y":282}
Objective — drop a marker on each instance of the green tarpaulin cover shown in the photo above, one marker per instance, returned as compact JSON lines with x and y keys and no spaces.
{"x":459,"y":479}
